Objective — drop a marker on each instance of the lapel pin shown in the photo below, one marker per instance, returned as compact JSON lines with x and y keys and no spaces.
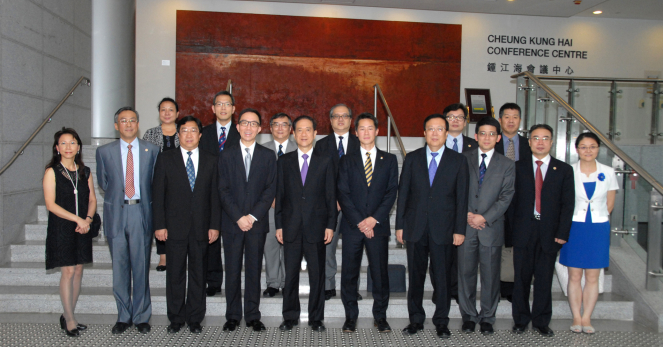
{"x":380,"y":158}
{"x":554,"y":167}
{"x":145,"y":149}
{"x":469,"y":145}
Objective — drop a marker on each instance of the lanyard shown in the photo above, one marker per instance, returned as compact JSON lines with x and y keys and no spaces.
{"x":72,"y":183}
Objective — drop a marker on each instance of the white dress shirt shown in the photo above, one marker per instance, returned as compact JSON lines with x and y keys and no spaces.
{"x":195,"y":155}
{"x":429,"y":157}
{"x":373,"y":153}
{"x":544,"y":168}
{"x":301,"y":160}
{"x":218,"y":128}
{"x":345,"y":141}
{"x":489,"y":155}
{"x":459,"y":142}
{"x":284,"y":144}
{"x":135,"y":152}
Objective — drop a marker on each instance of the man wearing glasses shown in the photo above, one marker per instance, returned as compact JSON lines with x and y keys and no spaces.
{"x":336,"y":145}
{"x":247,"y":187}
{"x":280,"y":125}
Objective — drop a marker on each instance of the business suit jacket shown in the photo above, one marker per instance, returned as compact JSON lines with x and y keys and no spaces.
{"x":359,"y":201}
{"x":557,"y":203}
{"x":469,"y":143}
{"x":175,"y":206}
{"x":306,"y":209}
{"x":524,"y":151}
{"x":443,"y":207}
{"x":328,"y":147}
{"x":210,"y":140}
{"x":110,"y":177}
{"x":291,"y":147}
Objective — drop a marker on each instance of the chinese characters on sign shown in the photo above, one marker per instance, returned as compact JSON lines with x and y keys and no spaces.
{"x":518,"y":68}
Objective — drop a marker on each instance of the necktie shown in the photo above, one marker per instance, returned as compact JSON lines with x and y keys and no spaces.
{"x":482,"y":169}
{"x":190,"y":171}
{"x":247,"y":163}
{"x":455,"y":147}
{"x":222,"y":138}
{"x":280,"y":150}
{"x":538,"y":185}
{"x":368,"y":168}
{"x":304,"y":168}
{"x":432,"y":168}
{"x":340,"y":146}
{"x":129,"y":188}
{"x":510,"y":151}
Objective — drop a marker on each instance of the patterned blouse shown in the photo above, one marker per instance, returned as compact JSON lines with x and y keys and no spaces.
{"x":155,"y":136}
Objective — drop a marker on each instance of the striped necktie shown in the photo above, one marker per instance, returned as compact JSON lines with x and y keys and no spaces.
{"x":368,"y":169}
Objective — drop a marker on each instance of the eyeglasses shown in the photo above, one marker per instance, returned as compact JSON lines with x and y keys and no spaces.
{"x":455,"y":117}
{"x":221,"y":104}
{"x":484,"y":134}
{"x":341,"y":116}
{"x":590,"y":148}
{"x":432,"y":130}
{"x":280,"y":125}
{"x":125,"y":121}
{"x":189,"y":130}
{"x":252,"y":124}
{"x":544,"y":139}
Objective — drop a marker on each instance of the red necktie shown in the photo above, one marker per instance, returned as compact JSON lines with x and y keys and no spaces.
{"x":538,"y":185}
{"x":129,"y":189}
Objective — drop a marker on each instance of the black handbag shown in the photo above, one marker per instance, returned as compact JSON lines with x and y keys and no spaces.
{"x":95,"y":226}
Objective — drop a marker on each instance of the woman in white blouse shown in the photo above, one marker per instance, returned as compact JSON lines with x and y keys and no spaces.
{"x":587,"y":249}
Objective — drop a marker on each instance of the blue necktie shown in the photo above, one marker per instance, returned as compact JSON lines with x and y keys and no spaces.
{"x":280,"y":150}
{"x":340,"y":146}
{"x":482,"y":169}
{"x":222,"y":139}
{"x":190,"y":171}
{"x":432,"y":168}
{"x":455,"y":147}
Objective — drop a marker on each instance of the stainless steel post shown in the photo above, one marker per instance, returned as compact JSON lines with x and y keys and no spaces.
{"x":654,"y":241}
{"x":613,"y":133}
{"x":656,"y":110}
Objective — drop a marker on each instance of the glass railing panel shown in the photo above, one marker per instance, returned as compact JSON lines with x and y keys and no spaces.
{"x":633,"y":114}
{"x":593,"y":102}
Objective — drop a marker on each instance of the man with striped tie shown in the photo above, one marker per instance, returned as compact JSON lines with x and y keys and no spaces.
{"x":217,"y":137}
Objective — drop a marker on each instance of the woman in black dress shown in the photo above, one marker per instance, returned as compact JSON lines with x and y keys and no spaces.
{"x":71,"y":203}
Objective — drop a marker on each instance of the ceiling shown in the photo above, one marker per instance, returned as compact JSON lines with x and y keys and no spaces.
{"x":627,"y":9}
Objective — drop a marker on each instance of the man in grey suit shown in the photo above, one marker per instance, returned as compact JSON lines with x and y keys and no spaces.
{"x":280,"y":125}
{"x":124,"y":172}
{"x":491,"y":190}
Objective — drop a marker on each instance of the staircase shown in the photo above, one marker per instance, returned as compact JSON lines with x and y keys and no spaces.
{"x":28,"y":288}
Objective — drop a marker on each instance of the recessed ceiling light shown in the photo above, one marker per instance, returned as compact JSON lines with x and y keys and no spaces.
{"x":597,"y":12}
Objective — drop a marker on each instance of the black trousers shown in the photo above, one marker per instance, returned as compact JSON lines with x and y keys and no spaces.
{"x":189,"y":309}
{"x":248,"y":248}
{"x":315,"y":264}
{"x":214,"y":265}
{"x":527,"y":262}
{"x":417,"y":265}
{"x":378,"y":259}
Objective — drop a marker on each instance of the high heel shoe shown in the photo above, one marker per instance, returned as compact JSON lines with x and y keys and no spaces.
{"x":74,"y":332}
{"x":63,"y":324}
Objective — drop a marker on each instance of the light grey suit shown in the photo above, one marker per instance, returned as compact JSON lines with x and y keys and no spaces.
{"x":274,"y":262}
{"x":128,"y":229}
{"x":483,"y":248}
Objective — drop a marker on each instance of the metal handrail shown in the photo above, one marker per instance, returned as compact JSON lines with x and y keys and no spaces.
{"x":390,"y":121}
{"x":571,"y":111}
{"x":229,"y":86}
{"x":82,"y":80}
{"x":597,"y":79}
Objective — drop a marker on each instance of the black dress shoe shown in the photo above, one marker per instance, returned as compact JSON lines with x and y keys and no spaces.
{"x":509,"y":298}
{"x":175,"y":327}
{"x":455,"y":297}
{"x":350,"y":326}
{"x":519,"y":328}
{"x":329,"y":294}
{"x":120,"y":327}
{"x":317,"y":325}
{"x":382,"y":325}
{"x":195,"y":328}
{"x":468,"y":327}
{"x":257,"y":325}
{"x":288,"y":324}
{"x":359,"y":297}
{"x":161,"y":268}
{"x":211,"y":291}
{"x":271,"y":292}
{"x":413,"y":328}
{"x":230,"y":325}
{"x":443,"y":331}
{"x":544,"y":331}
{"x":486,"y":328}
{"x":143,"y":328}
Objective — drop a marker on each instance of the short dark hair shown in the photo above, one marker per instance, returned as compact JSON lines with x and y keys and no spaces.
{"x":224,"y":92}
{"x":509,"y":106}
{"x":252,"y":110}
{"x":186,"y":119}
{"x":366,"y":115}
{"x":125,"y":108}
{"x":437,"y":115}
{"x":169,"y":99}
{"x":488,"y":120}
{"x":280,"y":115}
{"x":331,"y":111}
{"x":454,"y":107}
{"x":588,"y":135}
{"x":294,"y":122}
{"x":541,"y":126}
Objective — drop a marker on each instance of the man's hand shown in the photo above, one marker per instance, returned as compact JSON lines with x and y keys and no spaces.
{"x":161,"y":234}
{"x":329,"y":235}
{"x":279,"y":235}
{"x":213,"y":235}
{"x":245,"y":223}
{"x":367,"y":224}
{"x":399,"y":236}
{"x":560,"y":241}
{"x":458,"y":239}
{"x":476,"y":221}
{"x":338,"y":207}
{"x":274,"y":203}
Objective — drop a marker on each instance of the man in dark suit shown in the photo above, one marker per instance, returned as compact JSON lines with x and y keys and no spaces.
{"x":491,"y":190}
{"x":281,"y":127}
{"x":217,"y":137}
{"x":514,"y":147}
{"x":305,"y":219}
{"x":335,"y":146}
{"x":247,"y":187}
{"x":544,"y":202}
{"x":431,"y":218}
{"x":367,"y":188}
{"x":124,"y":172}
{"x":185,"y":204}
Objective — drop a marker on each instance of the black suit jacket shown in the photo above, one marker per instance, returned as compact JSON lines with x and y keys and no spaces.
{"x":328,"y":147}
{"x":175,"y":207}
{"x":469,"y":144}
{"x":443,"y":207}
{"x":210,"y":140}
{"x":557,"y":203}
{"x":239,"y":197}
{"x":359,"y":201}
{"x":305,"y":209}
{"x":524,"y":151}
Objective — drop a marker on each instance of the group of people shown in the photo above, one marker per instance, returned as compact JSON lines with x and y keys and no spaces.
{"x":485,"y":206}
